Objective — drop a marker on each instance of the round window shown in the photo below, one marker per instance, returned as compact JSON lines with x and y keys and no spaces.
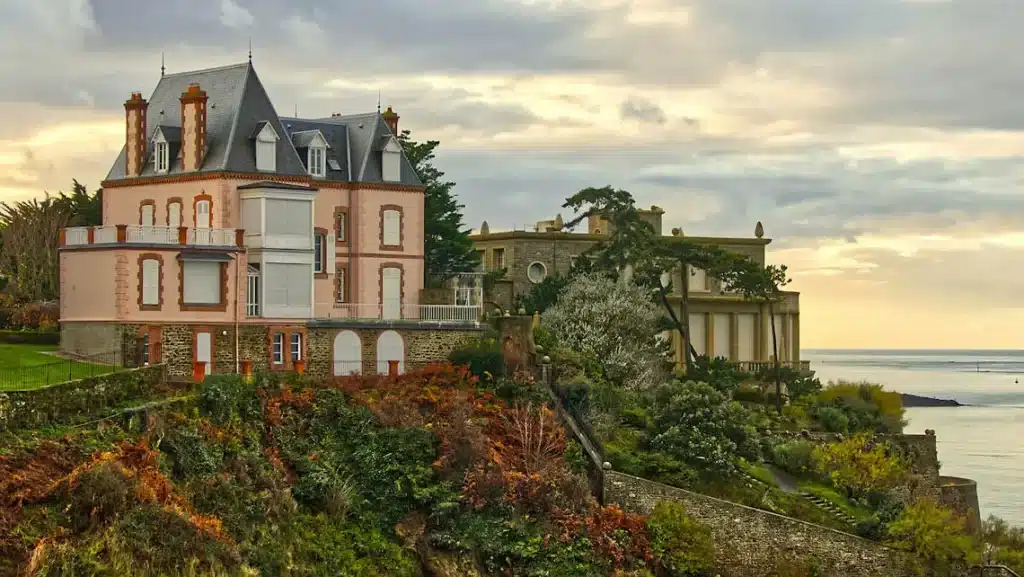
{"x":537,"y":272}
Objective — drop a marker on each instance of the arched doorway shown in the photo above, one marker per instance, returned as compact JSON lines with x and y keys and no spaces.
{"x":348,"y":354}
{"x":390,"y":347}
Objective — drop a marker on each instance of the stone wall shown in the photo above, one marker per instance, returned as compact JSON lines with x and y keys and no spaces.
{"x":176,"y":350}
{"x":92,"y":340}
{"x":423,"y":345}
{"x":961,"y":495}
{"x":750,"y":541}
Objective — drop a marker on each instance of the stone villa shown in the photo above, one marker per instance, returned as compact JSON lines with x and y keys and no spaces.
{"x":722,"y":324}
{"x":233,"y":234}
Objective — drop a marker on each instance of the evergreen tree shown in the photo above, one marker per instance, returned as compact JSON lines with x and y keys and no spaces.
{"x":447,"y":249}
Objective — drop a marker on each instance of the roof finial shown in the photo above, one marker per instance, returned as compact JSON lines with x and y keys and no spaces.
{"x":250,"y":49}
{"x":162,"y":67}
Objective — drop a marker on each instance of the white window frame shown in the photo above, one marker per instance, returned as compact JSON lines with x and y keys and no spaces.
{"x":391,"y":162}
{"x":147,"y":215}
{"x":266,"y":149}
{"x":316,"y":159}
{"x":203,"y":204}
{"x":252,"y":293}
{"x":340,"y":223}
{"x":319,"y":246}
{"x":499,"y":258}
{"x":295,"y":346}
{"x":544,"y":274}
{"x":161,"y":155}
{"x":277,"y":349}
{"x":154,"y":282}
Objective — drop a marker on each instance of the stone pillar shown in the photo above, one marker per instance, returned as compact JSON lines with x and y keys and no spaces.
{"x":734,"y":337}
{"x":796,"y":338}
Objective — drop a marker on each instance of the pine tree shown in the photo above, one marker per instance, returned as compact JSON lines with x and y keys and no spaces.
{"x":447,"y":249}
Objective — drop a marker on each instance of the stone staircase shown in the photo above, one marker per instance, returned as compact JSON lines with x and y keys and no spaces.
{"x":829,"y":507}
{"x":825,"y":506}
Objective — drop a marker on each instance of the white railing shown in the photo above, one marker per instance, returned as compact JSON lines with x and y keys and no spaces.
{"x":104,"y":234}
{"x":138,"y":234}
{"x":386,"y":312}
{"x":76,"y":236}
{"x":152,"y":234}
{"x":211,"y":236}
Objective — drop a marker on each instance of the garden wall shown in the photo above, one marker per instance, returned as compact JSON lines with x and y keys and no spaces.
{"x":77,"y":401}
{"x":752,"y":541}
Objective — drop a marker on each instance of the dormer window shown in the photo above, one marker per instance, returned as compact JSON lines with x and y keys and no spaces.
{"x":161,"y":156}
{"x":316,"y":161}
{"x":266,"y":147}
{"x":391,"y":162}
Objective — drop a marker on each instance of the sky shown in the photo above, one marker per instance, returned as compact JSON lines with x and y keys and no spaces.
{"x":878,"y":141}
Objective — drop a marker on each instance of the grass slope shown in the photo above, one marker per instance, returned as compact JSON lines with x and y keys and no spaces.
{"x":24,"y":367}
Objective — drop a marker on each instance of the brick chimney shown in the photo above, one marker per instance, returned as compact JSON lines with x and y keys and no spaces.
{"x":391,"y":119}
{"x":193,"y":127}
{"x":135,"y":133}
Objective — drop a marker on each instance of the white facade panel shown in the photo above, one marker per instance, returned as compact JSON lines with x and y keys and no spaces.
{"x":723,"y":335}
{"x":289,"y":218}
{"x":745,"y":338}
{"x":698,"y":333}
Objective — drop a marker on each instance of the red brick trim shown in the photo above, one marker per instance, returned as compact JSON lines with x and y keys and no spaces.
{"x":286,"y":346}
{"x":347,"y":293}
{"x":323,"y":253}
{"x":181,"y":210}
{"x":213,"y":344}
{"x":195,"y":203}
{"x":195,"y":95}
{"x":380,"y":281}
{"x":341,"y":216}
{"x":136,"y":149}
{"x":256,"y":177}
{"x":219,"y":307}
{"x":147,"y":202}
{"x":159,"y":258}
{"x":401,"y":227}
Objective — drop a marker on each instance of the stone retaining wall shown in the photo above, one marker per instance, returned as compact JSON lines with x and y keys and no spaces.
{"x":751,"y":541}
{"x":961,"y":495}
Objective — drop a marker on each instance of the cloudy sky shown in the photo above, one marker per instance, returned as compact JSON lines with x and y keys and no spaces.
{"x":879,"y":141}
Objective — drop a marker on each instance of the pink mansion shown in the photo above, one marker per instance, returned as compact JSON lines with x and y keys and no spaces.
{"x":231,"y":234}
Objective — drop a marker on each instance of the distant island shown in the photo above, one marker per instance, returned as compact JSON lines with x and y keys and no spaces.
{"x":919,"y":401}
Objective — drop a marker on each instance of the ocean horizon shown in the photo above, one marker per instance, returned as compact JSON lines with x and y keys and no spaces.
{"x":983,"y":441}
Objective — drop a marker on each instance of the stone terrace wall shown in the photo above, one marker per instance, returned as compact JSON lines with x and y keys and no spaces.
{"x":961,"y":495}
{"x":750,"y":541}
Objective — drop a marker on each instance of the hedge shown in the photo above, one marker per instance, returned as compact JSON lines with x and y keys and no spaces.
{"x":9,"y":337}
{"x":78,"y":401}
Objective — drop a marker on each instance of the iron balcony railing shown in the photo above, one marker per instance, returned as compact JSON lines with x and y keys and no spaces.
{"x":406,"y":312}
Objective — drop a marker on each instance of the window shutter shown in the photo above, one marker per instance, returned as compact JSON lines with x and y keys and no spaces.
{"x":174,"y":214}
{"x":150,"y":282}
{"x":332,"y":252}
{"x":392,"y":228}
{"x":147,"y":215}
{"x":202,"y":283}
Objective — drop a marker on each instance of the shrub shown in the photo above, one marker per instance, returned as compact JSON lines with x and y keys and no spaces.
{"x":719,"y":373}
{"x":935,"y":535}
{"x":30,"y":337}
{"x":700,"y":425}
{"x":860,"y":465}
{"x":834,"y":419}
{"x":616,"y":324}
{"x":484,"y":358}
{"x":796,"y":457}
{"x":1003,"y":544}
{"x":867,"y":407}
{"x":682,"y":545}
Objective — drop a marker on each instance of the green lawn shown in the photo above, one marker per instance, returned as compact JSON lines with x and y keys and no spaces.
{"x":29,"y":367}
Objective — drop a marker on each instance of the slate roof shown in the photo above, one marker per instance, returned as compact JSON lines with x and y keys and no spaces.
{"x":237,"y":109}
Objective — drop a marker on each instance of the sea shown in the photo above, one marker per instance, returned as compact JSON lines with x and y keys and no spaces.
{"x":983,"y":441}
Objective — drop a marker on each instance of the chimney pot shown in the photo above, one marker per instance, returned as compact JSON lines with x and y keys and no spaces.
{"x":391,"y":119}
{"x":193,"y":126}
{"x":135,"y":133}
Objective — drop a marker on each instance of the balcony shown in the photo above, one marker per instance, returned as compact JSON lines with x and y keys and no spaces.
{"x":804,"y":367}
{"x":443,"y":314}
{"x":132,"y":234}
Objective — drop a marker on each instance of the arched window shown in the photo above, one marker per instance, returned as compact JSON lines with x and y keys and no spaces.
{"x":348,"y":354}
{"x":390,"y":347}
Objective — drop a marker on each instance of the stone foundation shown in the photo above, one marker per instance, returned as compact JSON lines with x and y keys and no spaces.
{"x":423,"y":344}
